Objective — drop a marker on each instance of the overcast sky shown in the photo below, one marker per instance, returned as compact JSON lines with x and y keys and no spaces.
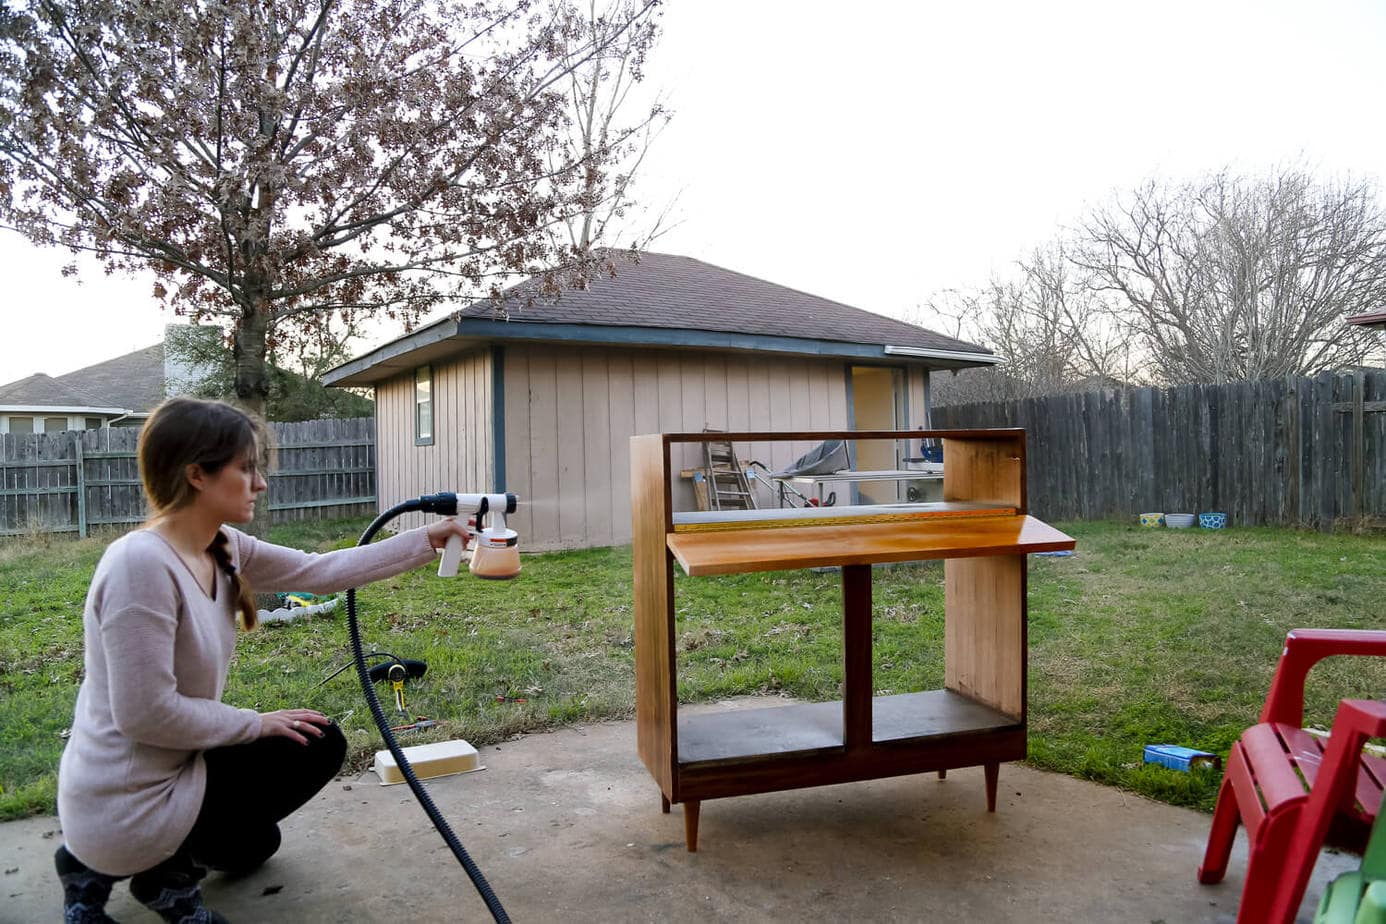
{"x":876,"y":157}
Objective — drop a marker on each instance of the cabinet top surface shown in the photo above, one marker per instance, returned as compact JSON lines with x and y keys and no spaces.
{"x":786,"y":548}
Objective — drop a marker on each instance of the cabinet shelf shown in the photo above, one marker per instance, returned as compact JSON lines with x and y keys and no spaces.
{"x":783,"y":548}
{"x":803,"y":729}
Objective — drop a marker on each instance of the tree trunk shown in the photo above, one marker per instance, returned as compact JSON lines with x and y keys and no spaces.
{"x":252,"y":391}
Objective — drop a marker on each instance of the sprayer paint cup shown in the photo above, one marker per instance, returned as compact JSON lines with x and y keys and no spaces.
{"x":496,"y":554}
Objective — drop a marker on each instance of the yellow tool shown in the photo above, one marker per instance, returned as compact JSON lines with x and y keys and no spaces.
{"x":396,"y":676}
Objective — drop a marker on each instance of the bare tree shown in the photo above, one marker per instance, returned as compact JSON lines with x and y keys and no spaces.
{"x":1231,"y":277}
{"x":276,"y":164}
{"x":599,"y":94}
{"x":1046,"y":322}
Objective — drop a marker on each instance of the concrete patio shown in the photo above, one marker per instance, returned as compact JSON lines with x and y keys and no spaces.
{"x":567,"y":827}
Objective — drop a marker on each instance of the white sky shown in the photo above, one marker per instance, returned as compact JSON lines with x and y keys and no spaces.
{"x":877,"y":156}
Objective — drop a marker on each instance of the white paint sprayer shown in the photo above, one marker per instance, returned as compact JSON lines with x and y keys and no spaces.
{"x":495,"y":554}
{"x":495,"y":548}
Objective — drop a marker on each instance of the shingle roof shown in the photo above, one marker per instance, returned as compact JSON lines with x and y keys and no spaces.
{"x":668,"y":291}
{"x":41,"y":390}
{"x":133,"y":382}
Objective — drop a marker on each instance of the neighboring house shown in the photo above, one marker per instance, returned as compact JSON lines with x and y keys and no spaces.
{"x":119,"y":392}
{"x":1376,"y":319}
{"x":544,"y":403}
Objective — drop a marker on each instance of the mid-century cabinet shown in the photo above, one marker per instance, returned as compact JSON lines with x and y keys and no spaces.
{"x":983,"y":531}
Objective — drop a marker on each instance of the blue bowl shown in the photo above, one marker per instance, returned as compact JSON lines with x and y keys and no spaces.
{"x":1212,"y":520}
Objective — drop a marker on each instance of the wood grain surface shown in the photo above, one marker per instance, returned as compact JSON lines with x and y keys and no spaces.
{"x":781,"y":549}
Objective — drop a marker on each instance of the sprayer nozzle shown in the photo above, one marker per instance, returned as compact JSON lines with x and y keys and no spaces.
{"x":444,"y":503}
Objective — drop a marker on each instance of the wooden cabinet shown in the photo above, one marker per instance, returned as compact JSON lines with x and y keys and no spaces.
{"x":978,"y":718}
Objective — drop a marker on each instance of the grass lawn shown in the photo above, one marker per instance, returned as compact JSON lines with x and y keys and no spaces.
{"x":1144,"y":636}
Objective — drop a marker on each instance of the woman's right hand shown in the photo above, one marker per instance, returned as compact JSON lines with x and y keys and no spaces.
{"x":293,"y":723}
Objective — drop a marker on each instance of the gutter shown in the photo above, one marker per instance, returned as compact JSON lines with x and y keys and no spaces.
{"x":399,"y":354}
{"x":73,"y":409}
{"x":984,"y":359}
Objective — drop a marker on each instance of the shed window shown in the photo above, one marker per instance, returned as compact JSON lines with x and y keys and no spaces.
{"x":54,"y":424}
{"x":423,"y":406}
{"x":21,"y":425}
{"x":93,"y":423}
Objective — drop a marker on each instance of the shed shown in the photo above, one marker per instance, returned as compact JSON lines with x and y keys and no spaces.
{"x":543,"y":400}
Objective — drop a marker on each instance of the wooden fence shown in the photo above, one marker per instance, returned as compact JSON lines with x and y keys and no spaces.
{"x":1294,"y":451}
{"x":72,"y":481}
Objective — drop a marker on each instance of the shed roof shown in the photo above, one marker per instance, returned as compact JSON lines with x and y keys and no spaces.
{"x":656,"y":299}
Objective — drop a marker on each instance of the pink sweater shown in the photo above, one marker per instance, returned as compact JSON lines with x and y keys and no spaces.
{"x":158,"y":647}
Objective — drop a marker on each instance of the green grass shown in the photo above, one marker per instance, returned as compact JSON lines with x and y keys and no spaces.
{"x":1145,"y":636}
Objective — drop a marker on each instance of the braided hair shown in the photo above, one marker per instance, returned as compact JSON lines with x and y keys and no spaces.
{"x":245,"y":598}
{"x":187,"y":431}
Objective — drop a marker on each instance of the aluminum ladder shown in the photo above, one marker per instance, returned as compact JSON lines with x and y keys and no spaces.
{"x":727,"y":487}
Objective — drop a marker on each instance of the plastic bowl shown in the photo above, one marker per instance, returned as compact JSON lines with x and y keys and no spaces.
{"x":1179,"y":520}
{"x":1149,"y":520}
{"x":1212,"y":520}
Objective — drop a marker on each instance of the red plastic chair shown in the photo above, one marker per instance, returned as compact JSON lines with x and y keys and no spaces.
{"x":1293,"y":791}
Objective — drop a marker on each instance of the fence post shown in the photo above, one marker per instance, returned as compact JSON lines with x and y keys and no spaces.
{"x":81,"y":490}
{"x":1294,"y":439}
{"x":1359,"y":431}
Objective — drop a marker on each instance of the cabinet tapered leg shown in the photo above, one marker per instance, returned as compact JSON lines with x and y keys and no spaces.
{"x":664,"y":803}
{"x":690,"y":824}
{"x":991,"y":773}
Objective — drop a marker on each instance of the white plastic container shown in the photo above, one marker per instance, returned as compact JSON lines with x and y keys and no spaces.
{"x":442,"y":758}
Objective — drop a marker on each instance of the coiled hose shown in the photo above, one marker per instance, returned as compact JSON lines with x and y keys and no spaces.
{"x":432,"y":503}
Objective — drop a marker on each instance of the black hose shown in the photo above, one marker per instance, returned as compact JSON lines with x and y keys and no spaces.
{"x":482,"y":886}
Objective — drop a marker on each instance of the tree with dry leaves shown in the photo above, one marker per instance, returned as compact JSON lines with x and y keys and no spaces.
{"x":278,"y":163}
{"x":1232,"y":277}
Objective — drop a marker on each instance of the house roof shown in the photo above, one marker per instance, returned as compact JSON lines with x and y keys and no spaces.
{"x":1370,"y":319}
{"x":666,"y":300}
{"x":133,"y":383}
{"x":41,"y":390}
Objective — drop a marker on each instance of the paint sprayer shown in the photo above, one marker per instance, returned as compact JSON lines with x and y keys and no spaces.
{"x":494,"y":553}
{"x":495,"y":549}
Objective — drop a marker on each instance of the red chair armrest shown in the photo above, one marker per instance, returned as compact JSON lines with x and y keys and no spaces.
{"x":1303,"y":649}
{"x":1366,"y":717}
{"x":1335,"y":785}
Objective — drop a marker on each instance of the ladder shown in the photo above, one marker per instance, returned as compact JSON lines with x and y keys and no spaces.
{"x":727,"y":487}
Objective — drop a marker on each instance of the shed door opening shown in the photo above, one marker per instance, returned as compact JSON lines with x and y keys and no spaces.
{"x":878,"y":403}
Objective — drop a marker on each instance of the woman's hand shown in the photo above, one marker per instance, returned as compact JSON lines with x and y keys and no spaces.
{"x":293,"y":723}
{"x":440,"y":531}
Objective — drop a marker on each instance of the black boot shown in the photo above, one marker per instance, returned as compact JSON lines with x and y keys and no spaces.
{"x":171,"y":890}
{"x":84,"y":890}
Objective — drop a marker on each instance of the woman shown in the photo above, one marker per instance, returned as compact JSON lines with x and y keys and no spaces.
{"x":160,"y":778}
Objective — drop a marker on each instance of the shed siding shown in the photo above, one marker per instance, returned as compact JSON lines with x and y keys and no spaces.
{"x":917,"y":389}
{"x":570,"y":414}
{"x":462,"y":455}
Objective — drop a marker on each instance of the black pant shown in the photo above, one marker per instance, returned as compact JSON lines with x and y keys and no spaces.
{"x":250,"y":788}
